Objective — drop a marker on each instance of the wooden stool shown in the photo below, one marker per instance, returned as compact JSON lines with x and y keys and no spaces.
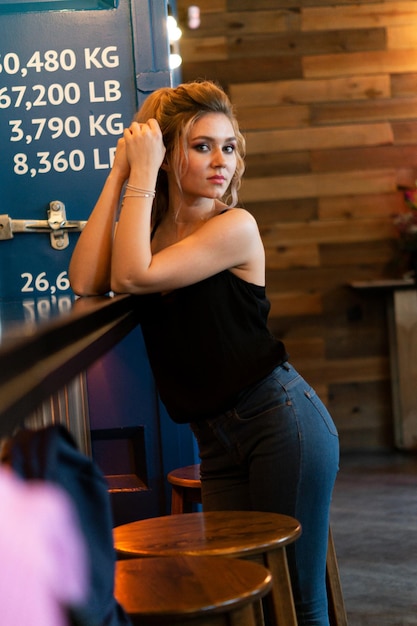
{"x":261,"y":537}
{"x":186,"y":490}
{"x":201,"y":591}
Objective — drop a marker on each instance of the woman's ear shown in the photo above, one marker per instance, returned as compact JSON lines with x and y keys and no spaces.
{"x":165,"y":165}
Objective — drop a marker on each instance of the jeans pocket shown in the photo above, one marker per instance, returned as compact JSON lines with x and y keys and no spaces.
{"x":320,"y":407}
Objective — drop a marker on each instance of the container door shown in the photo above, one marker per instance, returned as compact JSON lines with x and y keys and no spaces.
{"x":72,"y":74}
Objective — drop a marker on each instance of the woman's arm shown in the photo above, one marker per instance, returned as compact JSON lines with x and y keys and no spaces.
{"x":228,"y":241}
{"x":89,"y":270}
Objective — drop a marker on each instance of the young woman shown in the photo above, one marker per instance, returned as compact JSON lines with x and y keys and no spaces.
{"x":266,"y":441}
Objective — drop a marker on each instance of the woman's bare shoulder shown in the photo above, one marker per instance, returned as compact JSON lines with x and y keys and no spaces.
{"x":237,"y":213}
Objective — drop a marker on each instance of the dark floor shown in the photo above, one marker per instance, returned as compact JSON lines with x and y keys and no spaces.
{"x":374,"y":522}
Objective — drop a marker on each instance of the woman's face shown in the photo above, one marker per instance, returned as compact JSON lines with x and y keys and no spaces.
{"x":211,"y":157}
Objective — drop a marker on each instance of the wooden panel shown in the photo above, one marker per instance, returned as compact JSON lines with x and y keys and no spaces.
{"x":291,"y":210}
{"x":295,"y":303}
{"x":371,"y":205}
{"x":340,"y":371}
{"x":207,"y":49}
{"x":377,"y":110}
{"x":246,"y":22}
{"x":363,"y":336}
{"x":325,"y":138}
{"x":372,"y":158}
{"x":260,"y":117}
{"x":362,"y":412}
{"x":406,"y":178}
{"x":405,"y":132}
{"x":303,"y":43}
{"x":382,"y":62}
{"x":298,"y":328}
{"x":323,"y":279}
{"x":263,"y":68}
{"x":360,"y":16}
{"x":285,"y":256}
{"x":329,"y":231}
{"x":305,"y":91}
{"x":404,"y":85}
{"x":313,"y":185}
{"x":305,"y":348}
{"x":277,"y":164}
{"x":375,"y":252}
{"x":404,"y":36}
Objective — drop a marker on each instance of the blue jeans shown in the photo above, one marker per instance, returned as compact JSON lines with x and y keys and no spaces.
{"x":277,"y":450}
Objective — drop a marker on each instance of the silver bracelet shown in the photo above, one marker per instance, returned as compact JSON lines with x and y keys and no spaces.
{"x":139,"y":195}
{"x":146,"y":193}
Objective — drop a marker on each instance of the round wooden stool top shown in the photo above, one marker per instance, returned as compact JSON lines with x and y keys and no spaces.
{"x":214,"y":533}
{"x":174,"y":589}
{"x":188,"y":476}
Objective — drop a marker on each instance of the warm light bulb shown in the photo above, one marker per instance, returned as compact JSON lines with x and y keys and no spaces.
{"x":175,"y":61}
{"x":174,"y":32}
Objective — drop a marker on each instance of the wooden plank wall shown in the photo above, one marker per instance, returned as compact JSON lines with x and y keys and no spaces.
{"x":326,"y":94}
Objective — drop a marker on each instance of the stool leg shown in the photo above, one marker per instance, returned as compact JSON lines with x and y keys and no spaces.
{"x":177,"y":500}
{"x":337,"y":611}
{"x":283,"y":609}
{"x":182,"y":499}
{"x":259,"y":613}
{"x":244,"y":616}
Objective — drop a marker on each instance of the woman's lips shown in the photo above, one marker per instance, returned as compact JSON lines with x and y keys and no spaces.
{"x":217,"y":179}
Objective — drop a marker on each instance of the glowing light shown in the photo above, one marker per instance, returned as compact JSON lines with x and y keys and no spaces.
{"x":174,"y":32}
{"x":175,"y":61}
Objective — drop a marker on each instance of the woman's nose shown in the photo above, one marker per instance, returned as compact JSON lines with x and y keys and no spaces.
{"x":218,"y":158}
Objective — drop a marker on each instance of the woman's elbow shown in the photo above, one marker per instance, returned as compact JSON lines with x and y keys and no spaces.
{"x":121,"y":285}
{"x":125,"y":283}
{"x":88,"y":291}
{"x":81,"y":287}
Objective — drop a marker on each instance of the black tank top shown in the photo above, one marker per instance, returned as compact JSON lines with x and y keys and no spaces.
{"x":207,"y":342}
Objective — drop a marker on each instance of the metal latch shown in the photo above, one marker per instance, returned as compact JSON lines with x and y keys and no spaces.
{"x":56,"y":224}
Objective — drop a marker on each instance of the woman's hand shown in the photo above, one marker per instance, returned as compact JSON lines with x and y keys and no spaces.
{"x":145,"y":148}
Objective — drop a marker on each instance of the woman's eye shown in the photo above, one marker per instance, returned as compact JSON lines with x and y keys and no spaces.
{"x":204,"y":147}
{"x":201,"y":147}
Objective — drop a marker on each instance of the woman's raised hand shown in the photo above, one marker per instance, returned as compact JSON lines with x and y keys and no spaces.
{"x":145,"y":148}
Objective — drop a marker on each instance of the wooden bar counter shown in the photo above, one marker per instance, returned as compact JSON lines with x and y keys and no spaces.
{"x":46,"y":343}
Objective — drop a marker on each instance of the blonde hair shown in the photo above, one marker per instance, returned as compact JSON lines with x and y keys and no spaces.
{"x":176,"y":110}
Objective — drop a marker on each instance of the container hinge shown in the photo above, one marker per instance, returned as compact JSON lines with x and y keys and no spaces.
{"x":56,"y":224}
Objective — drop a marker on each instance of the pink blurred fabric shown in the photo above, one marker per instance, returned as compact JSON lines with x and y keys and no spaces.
{"x":43,"y":567}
